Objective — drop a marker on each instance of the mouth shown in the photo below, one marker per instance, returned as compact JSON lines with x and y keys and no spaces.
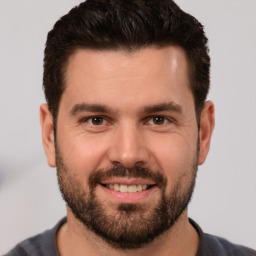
{"x":127,"y":190}
{"x":133,"y":188}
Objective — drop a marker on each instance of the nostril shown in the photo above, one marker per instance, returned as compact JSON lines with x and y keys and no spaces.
{"x":124,"y":154}
{"x":136,"y":164}
{"x":140,"y":164}
{"x":116,"y":164}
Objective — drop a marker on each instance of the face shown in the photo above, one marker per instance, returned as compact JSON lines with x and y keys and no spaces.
{"x":127,"y":144}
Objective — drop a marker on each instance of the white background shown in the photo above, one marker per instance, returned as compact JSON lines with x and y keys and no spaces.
{"x":224,"y":202}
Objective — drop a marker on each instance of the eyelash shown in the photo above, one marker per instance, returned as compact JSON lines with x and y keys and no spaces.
{"x":87,"y":119}
{"x":147,"y":120}
{"x":162,"y":118}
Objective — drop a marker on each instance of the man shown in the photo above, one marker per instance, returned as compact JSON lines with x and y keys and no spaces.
{"x":127,"y":124}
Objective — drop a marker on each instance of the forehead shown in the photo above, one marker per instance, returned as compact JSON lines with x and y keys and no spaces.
{"x":119,"y":63}
{"x":146,"y":75}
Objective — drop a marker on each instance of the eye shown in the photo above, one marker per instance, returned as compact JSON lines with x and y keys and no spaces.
{"x":158,"y":120}
{"x":96,"y":120}
{"x":95,"y":124}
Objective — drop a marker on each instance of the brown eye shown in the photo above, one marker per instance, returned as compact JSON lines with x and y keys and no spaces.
{"x":96,"y":120}
{"x":158,"y":120}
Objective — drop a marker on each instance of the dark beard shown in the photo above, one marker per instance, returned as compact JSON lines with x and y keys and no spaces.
{"x":133,"y":226}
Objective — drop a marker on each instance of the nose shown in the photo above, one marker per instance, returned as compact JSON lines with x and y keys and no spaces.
{"x":128,"y":148}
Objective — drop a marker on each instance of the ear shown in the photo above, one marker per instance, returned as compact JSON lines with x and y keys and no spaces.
{"x":46,"y":121}
{"x":206,"y":128}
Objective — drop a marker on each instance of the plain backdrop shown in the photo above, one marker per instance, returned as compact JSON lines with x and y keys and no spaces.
{"x":224,"y":202}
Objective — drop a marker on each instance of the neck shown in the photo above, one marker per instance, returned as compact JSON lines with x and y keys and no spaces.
{"x":74,"y":239}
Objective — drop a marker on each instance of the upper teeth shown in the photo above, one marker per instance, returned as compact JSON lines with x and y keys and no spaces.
{"x":125,"y":188}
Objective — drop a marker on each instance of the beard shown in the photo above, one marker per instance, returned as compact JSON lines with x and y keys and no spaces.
{"x":134,"y":225}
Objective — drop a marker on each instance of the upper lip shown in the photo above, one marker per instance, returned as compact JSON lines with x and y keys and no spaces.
{"x":128,"y":181}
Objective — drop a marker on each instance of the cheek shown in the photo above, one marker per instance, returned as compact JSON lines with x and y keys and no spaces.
{"x":83,"y":154}
{"x":175,"y":156}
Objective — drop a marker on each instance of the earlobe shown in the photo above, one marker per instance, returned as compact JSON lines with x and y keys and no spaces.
{"x":206,"y":129}
{"x":47,"y":131}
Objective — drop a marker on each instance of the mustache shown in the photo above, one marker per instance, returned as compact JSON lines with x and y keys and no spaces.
{"x":121,"y":171}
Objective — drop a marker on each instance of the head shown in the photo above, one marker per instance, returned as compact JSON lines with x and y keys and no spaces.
{"x":129,"y":26}
{"x":126,"y":122}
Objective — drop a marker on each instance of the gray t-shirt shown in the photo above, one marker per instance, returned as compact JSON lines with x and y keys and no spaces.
{"x":44,"y":244}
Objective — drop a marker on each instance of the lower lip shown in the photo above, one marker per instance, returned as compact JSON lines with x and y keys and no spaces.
{"x":135,"y":197}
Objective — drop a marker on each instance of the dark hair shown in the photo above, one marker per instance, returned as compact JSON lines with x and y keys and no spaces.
{"x":125,"y":25}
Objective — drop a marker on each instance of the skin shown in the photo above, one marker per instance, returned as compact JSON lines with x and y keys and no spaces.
{"x":128,"y":84}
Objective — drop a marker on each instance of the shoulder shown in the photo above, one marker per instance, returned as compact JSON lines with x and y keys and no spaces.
{"x":41,"y":244}
{"x":215,"y":245}
{"x":211,"y":245}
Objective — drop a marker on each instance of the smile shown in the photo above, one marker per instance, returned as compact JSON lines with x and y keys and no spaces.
{"x":127,"y":188}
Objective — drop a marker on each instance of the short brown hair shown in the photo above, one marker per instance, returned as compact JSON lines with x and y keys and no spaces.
{"x":127,"y":25}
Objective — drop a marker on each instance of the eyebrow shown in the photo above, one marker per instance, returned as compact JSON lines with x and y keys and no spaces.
{"x":171,"y":106}
{"x":84,"y":107}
